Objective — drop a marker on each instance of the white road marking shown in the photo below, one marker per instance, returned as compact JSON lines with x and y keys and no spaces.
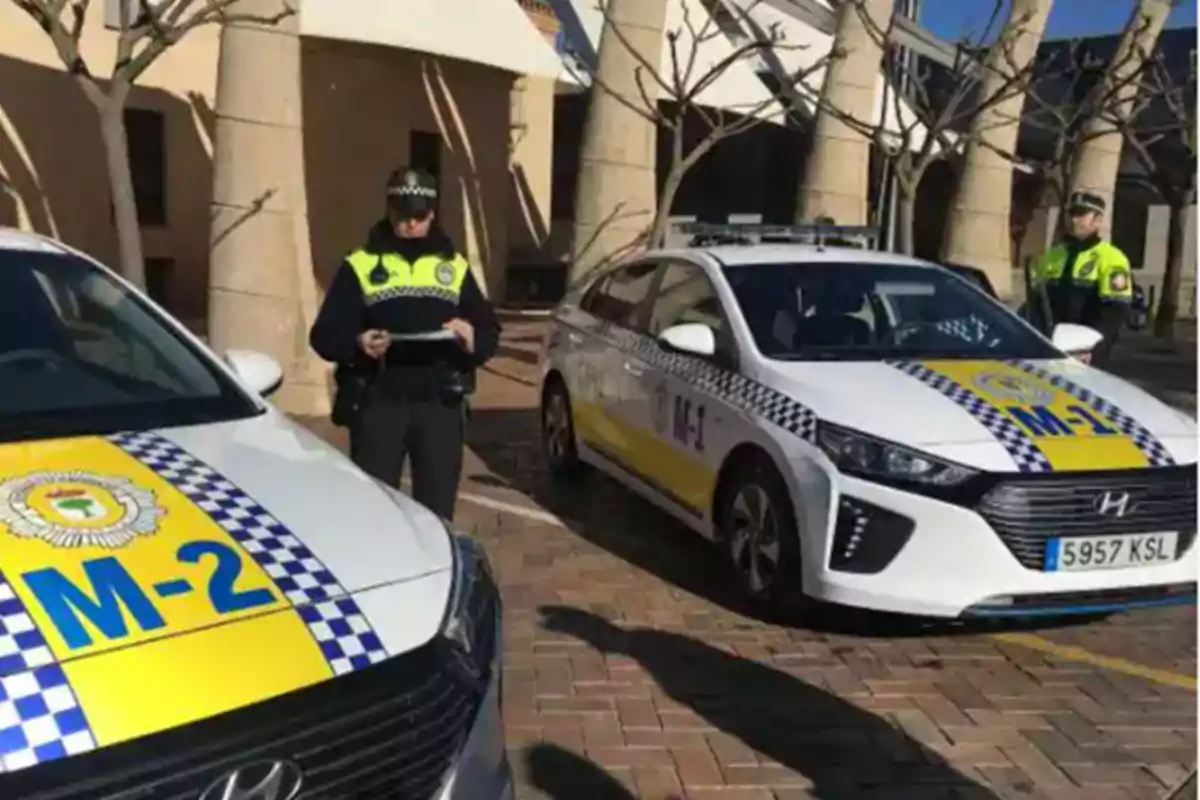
{"x":536,"y":514}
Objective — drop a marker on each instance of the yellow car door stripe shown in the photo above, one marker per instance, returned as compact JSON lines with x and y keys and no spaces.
{"x":1043,"y":427}
{"x":139,"y":572}
{"x":1156,"y":454}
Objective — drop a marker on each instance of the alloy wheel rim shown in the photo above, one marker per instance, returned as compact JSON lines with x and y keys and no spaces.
{"x":754,"y":538}
{"x":557,"y":428}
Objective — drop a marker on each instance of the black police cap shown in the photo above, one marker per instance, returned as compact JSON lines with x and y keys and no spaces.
{"x":1086,"y":201}
{"x":411,"y":191}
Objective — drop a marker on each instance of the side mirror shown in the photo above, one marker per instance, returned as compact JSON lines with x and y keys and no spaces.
{"x":257,"y":370}
{"x":1076,"y":340}
{"x":690,"y":337}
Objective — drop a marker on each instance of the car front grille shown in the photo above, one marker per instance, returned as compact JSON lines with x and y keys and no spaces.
{"x":1025,"y":513}
{"x":392,"y":730}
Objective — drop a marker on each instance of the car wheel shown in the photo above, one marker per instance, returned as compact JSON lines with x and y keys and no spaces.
{"x":558,"y":434}
{"x":758,"y":527}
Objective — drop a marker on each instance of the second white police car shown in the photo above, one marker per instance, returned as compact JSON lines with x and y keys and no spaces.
{"x":872,"y":430}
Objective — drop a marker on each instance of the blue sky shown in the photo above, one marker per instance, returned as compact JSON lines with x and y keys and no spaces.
{"x":954,"y":19}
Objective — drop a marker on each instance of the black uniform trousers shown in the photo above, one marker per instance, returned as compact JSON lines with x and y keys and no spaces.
{"x":429,"y":433}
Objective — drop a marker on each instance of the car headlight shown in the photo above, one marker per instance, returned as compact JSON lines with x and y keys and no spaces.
{"x":471,"y":623}
{"x":861,"y":455}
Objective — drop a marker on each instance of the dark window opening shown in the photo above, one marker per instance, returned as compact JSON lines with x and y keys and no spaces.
{"x":145,"y":132}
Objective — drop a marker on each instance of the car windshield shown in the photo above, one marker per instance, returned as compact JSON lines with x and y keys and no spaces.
{"x":81,"y":355}
{"x":866,"y":312}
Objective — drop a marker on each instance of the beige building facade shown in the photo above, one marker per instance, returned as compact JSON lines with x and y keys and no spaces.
{"x":375,"y":94}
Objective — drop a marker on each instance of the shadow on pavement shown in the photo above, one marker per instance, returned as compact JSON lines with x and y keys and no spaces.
{"x":560,"y":774}
{"x":843,"y":750}
{"x":601,"y":511}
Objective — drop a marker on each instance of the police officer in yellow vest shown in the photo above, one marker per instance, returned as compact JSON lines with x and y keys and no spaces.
{"x":1087,"y":280}
{"x":405,"y":398}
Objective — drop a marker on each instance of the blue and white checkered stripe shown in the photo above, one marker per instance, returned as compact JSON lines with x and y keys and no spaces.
{"x":721,"y":384}
{"x":333,"y":617}
{"x":40,"y":716}
{"x":1156,"y":454}
{"x":1024,"y":451}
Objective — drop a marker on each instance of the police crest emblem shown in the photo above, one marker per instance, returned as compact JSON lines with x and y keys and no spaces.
{"x":78,"y":509}
{"x":444,"y":272}
{"x":1013,"y":388}
{"x":1087,"y":268}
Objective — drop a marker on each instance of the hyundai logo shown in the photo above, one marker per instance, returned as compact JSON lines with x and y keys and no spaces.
{"x":262,"y":780}
{"x":1113,"y":504}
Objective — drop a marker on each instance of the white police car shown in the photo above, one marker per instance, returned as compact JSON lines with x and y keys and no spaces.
{"x":199,"y":598}
{"x":872,"y":430}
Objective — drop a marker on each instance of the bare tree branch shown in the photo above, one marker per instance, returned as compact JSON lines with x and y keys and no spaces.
{"x":146,"y":29}
{"x":671,"y":95}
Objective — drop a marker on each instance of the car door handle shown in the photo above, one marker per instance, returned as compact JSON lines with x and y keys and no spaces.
{"x":574,"y":338}
{"x":634,"y":369}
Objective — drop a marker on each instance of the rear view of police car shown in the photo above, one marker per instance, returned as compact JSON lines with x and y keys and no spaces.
{"x":873,"y":430}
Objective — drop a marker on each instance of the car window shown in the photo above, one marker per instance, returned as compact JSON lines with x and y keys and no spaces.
{"x":685,"y":295}
{"x":80,"y":354}
{"x":847,"y":311}
{"x":618,"y":297}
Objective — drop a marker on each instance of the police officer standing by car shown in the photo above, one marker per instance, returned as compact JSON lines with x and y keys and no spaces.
{"x":1086,"y":280}
{"x":407,"y":325}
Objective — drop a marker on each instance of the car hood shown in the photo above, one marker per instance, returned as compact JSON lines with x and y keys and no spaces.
{"x":975,"y":411}
{"x":151,"y":579}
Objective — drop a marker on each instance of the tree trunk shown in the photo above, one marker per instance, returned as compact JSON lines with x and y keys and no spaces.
{"x":906,"y":211}
{"x":1099,"y":159}
{"x":614,"y":198}
{"x":120,"y":181}
{"x":1168,"y":303}
{"x":836,"y":172}
{"x":978,"y":229}
{"x":666,"y":198}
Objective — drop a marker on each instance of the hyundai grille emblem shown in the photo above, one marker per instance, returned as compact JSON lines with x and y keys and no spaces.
{"x":262,"y":780}
{"x":1112,"y":504}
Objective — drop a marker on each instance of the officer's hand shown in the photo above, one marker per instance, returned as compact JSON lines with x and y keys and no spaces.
{"x":374,"y":343}
{"x":464,"y":331}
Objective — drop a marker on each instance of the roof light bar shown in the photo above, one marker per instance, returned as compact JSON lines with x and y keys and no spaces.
{"x":707,"y":233}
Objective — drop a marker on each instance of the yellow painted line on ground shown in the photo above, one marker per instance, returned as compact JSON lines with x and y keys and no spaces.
{"x":1072,"y":653}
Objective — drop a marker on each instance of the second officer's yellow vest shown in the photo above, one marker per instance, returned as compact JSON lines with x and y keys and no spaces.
{"x":386,"y":276}
{"x":1102,"y":267}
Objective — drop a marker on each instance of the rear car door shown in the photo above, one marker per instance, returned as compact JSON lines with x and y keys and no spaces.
{"x":681,"y":429}
{"x":615,"y":310}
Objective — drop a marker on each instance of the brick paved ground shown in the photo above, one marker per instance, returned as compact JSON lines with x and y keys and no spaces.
{"x":631,"y":672}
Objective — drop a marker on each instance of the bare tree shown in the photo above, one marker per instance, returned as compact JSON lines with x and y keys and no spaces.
{"x":931,"y":119}
{"x":671,"y":97}
{"x":1160,"y":131}
{"x":1076,"y":88}
{"x":146,"y":30}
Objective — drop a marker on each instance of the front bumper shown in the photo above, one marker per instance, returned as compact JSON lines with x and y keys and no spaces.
{"x":953,"y":563}
{"x":482,"y":771}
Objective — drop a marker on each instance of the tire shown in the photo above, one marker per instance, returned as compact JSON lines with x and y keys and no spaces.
{"x":558,"y":434}
{"x":757,"y":526}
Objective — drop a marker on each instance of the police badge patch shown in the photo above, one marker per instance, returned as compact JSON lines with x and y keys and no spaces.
{"x":444,"y":273}
{"x":78,"y":509}
{"x":1118,"y":281}
{"x":1087,"y":268}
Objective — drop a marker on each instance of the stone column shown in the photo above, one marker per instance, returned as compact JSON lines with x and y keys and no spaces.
{"x":978,"y":228}
{"x":262,"y":294}
{"x":616,"y":194}
{"x":836,"y":172}
{"x":1099,"y":159}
